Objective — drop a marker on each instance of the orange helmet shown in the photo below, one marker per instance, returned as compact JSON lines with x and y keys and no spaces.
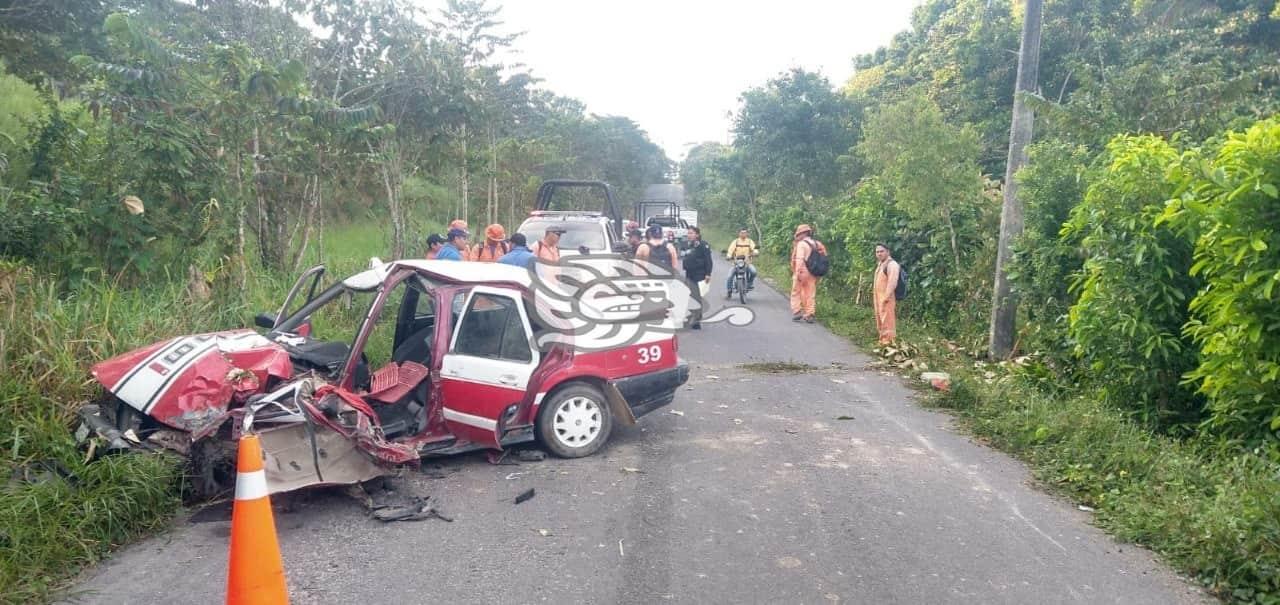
{"x":495,"y":232}
{"x":802,"y":229}
{"x":458,"y":224}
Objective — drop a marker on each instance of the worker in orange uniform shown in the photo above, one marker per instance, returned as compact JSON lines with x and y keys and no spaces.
{"x":493,"y":247}
{"x":548,"y":248}
{"x":804,"y":285}
{"x":884,"y":297}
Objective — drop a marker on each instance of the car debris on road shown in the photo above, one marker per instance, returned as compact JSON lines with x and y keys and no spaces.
{"x":450,"y":357}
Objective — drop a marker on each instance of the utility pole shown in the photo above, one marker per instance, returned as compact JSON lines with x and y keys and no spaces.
{"x":1004,"y":305}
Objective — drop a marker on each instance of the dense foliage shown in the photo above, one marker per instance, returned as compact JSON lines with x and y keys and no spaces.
{"x":1132,"y":293}
{"x":1126,"y":90}
{"x":240,"y":132}
{"x":1233,"y":199}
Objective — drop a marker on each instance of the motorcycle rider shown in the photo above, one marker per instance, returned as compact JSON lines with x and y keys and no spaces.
{"x":746,"y":248}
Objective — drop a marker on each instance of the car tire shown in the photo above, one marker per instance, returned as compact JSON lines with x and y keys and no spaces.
{"x":575,"y":421}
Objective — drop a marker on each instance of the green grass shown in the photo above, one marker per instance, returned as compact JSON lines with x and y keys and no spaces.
{"x":1210,"y":512}
{"x":54,"y":521}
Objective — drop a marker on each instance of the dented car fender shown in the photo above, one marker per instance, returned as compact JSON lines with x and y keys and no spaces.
{"x":188,"y":383}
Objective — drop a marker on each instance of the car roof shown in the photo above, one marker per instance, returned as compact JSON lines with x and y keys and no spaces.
{"x":567,"y":215}
{"x":463,"y":272}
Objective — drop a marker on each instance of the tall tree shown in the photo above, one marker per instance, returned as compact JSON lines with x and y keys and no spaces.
{"x":1004,"y":304}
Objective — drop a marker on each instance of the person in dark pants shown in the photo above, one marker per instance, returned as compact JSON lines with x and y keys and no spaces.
{"x":697,"y":269}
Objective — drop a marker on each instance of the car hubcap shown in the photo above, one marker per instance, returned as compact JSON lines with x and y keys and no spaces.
{"x":577,"y":421}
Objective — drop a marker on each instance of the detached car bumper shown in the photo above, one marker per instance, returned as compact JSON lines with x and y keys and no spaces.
{"x":647,"y":392}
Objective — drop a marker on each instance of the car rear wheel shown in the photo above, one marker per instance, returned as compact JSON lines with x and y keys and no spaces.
{"x":575,"y":421}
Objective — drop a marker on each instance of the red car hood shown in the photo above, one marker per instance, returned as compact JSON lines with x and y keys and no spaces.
{"x":189,"y":382}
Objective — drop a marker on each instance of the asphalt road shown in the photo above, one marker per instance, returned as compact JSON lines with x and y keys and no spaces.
{"x":758,"y":493}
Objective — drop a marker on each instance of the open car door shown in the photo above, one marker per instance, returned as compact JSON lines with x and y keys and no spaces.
{"x":484,"y":374}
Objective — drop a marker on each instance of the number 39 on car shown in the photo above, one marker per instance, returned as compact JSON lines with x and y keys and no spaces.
{"x":404,"y":360}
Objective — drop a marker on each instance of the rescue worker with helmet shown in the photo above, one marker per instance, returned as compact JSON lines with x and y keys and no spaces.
{"x":804,"y":285}
{"x":493,"y":247}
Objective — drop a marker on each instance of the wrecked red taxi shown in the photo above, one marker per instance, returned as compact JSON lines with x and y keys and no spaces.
{"x":404,"y":360}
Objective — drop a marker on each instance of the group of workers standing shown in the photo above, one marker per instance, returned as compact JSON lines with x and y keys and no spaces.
{"x":496,"y":247}
{"x":805,"y":275}
{"x":652,"y":246}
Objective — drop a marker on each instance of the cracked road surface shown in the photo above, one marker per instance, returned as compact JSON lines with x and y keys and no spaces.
{"x":758,"y":493}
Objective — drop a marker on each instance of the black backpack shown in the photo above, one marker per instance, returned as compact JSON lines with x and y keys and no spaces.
{"x":661,"y":255}
{"x":900,"y":291}
{"x":818,"y":264}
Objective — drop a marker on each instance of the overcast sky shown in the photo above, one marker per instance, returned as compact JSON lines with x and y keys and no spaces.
{"x":677,"y":66}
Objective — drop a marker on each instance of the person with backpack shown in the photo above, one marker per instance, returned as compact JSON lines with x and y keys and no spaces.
{"x":808,"y":264}
{"x":885,"y":293}
{"x":656,"y":249}
{"x":493,"y":247}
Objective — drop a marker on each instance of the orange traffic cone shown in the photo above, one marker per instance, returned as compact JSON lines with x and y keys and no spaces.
{"x":256,"y":573}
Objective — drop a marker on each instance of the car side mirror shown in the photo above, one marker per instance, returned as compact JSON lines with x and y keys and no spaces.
{"x":265,"y":320}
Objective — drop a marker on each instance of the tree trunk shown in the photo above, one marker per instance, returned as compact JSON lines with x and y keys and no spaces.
{"x":392,"y":182}
{"x":306,"y":219}
{"x":265,"y":255}
{"x":493,"y":175}
{"x":951,"y":228}
{"x":240,"y":213}
{"x":1004,"y":305}
{"x":755,"y":222}
{"x":466,"y":177}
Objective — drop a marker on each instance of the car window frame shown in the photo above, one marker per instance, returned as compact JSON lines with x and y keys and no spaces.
{"x":522,"y":314}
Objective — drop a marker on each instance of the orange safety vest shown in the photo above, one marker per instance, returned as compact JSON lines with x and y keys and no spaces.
{"x":545,"y":252}
{"x":486,"y":253}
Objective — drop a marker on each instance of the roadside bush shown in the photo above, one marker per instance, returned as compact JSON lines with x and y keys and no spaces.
{"x":939,"y":214}
{"x":1234,"y":198}
{"x":1051,"y":184}
{"x":1134,"y":286}
{"x":870,"y":218}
